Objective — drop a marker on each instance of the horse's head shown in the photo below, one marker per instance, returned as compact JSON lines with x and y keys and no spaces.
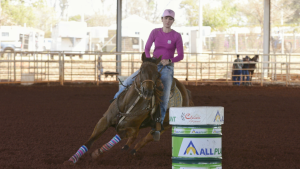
{"x":148,"y":76}
{"x":255,"y":58}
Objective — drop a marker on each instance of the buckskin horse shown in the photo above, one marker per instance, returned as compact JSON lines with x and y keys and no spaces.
{"x":137,"y":102}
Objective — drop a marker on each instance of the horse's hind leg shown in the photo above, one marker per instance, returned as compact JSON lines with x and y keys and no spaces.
{"x":130,"y":141}
{"x":147,"y":139}
{"x":100,"y":127}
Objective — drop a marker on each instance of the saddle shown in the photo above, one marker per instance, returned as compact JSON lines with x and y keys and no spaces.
{"x":154,"y":120}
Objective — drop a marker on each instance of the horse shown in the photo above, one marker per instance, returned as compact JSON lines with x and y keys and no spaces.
{"x":136,"y":102}
{"x":252,"y":67}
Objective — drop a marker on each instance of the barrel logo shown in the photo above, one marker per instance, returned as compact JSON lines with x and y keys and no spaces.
{"x":191,"y":150}
{"x":218,"y":117}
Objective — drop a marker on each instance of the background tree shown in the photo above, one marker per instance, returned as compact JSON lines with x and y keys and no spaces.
{"x":218,"y":18}
{"x":146,"y":9}
{"x":34,"y":13}
{"x":254,"y":12}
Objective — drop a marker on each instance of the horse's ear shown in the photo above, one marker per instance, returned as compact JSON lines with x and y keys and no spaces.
{"x":158,"y":59}
{"x":144,"y":56}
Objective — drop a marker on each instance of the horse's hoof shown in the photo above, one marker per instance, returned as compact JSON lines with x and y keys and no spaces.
{"x":68,"y":163}
{"x":95,"y":154}
{"x":133,"y":152}
{"x":125,"y":147}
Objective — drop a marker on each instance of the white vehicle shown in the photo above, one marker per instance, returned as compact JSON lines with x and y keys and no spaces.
{"x":22,"y":38}
{"x":69,"y":37}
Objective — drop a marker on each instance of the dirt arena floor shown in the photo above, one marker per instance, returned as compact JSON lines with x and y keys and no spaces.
{"x":42,"y":126}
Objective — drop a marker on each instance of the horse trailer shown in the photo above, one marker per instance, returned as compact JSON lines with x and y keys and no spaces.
{"x":69,"y":37}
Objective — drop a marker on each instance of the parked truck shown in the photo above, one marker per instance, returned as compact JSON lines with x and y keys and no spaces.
{"x":17,"y":38}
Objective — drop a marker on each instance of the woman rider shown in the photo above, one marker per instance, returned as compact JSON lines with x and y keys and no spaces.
{"x":166,"y":40}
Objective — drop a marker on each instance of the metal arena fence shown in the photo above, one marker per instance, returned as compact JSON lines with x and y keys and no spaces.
{"x":99,"y":67}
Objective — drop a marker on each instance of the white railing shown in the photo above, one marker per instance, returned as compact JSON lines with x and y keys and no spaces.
{"x":96,"y":67}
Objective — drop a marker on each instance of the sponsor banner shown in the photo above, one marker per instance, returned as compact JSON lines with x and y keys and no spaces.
{"x":196,"y":130}
{"x":196,"y":115}
{"x":196,"y":166}
{"x":193,"y":147}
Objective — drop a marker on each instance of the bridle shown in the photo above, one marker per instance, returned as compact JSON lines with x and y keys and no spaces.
{"x":141,"y":89}
{"x":149,"y":108}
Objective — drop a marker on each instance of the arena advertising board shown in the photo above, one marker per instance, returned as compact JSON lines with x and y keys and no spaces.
{"x":196,"y":115}
{"x":193,"y":147}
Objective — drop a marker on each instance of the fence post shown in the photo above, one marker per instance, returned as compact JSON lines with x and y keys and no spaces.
{"x":286,"y":74}
{"x":34,"y":65}
{"x":63,"y":68}
{"x":60,"y":69}
{"x":95,"y":68}
{"x":197,"y":69}
{"x":227,"y":70}
{"x":48,"y":68}
{"x":14,"y":66}
{"x":201,"y":70}
{"x":289,"y":67}
{"x":132,"y":64}
{"x":262,"y":75}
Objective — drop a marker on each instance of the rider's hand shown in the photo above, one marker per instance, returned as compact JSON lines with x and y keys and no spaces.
{"x":165,"y":62}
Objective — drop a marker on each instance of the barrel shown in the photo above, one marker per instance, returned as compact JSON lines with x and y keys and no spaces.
{"x":196,"y":137}
{"x":211,"y":163}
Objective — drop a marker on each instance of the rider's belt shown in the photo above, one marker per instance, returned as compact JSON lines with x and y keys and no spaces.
{"x":170,"y":64}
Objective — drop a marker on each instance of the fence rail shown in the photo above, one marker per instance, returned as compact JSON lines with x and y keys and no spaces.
{"x":97,"y":67}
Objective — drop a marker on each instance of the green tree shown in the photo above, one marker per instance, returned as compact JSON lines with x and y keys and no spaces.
{"x":34,"y":13}
{"x":280,"y":10}
{"x":75,"y":18}
{"x":218,"y":18}
{"x":16,"y":13}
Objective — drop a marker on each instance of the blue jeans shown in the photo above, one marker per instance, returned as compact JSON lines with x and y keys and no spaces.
{"x":246,"y":75}
{"x":166,"y":77}
{"x":237,"y":77}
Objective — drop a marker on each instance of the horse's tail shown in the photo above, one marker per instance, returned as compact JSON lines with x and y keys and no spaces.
{"x":191,"y":103}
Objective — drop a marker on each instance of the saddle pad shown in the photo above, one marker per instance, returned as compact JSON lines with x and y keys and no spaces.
{"x":175,"y":98}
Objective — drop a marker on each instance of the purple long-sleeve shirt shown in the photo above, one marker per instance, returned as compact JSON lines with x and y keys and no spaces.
{"x":165,"y":44}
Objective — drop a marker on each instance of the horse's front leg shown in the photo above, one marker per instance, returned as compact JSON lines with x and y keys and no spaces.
{"x":99,"y":129}
{"x":147,"y":139}
{"x":130,"y":141}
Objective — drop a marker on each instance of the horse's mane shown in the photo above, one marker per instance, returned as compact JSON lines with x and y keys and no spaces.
{"x":151,"y":60}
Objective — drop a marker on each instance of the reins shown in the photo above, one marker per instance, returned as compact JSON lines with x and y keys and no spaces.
{"x":140,"y":95}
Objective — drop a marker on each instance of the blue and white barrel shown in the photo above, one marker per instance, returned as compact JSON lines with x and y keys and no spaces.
{"x":196,"y":137}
